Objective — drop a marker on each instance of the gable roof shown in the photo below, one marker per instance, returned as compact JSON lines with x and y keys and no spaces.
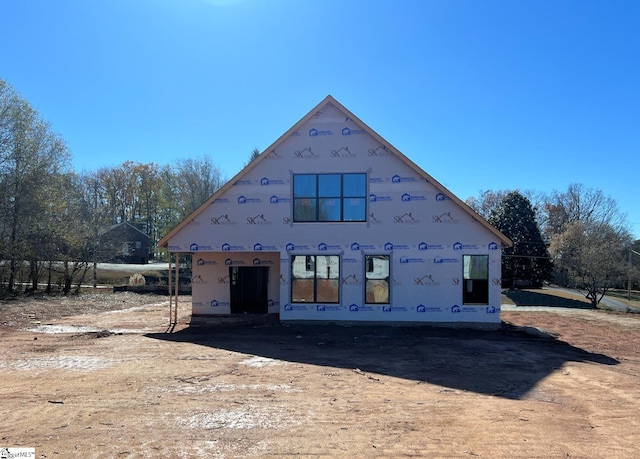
{"x":329,"y":100}
{"x":122,"y":224}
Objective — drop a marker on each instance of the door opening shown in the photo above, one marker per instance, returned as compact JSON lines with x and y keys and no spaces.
{"x":249,"y":293}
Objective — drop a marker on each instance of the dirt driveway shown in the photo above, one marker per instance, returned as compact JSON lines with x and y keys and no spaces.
{"x":71,"y":389}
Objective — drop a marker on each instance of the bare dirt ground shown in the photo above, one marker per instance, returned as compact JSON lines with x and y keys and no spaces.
{"x":97,"y":376}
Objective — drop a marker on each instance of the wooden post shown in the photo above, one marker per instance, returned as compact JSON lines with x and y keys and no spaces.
{"x":170,"y":291}
{"x":177,"y":287}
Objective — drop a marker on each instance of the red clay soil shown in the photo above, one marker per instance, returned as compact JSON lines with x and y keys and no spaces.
{"x":98,"y":376}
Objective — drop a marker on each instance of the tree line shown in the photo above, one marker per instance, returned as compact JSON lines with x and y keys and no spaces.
{"x":51,"y":216}
{"x":576,"y":238}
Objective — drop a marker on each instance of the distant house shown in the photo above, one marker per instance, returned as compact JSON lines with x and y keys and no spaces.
{"x":332,"y":223}
{"x":123,"y":243}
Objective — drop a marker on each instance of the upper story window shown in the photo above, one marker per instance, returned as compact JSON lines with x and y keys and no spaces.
{"x":329,"y":197}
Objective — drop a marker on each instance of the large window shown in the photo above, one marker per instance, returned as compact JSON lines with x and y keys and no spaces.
{"x":475,"y":279}
{"x":376,"y":279}
{"x":329,"y":197}
{"x":315,"y":279}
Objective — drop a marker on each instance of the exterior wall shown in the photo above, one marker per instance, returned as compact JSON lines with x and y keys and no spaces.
{"x":425,"y":233}
{"x":210,"y":281}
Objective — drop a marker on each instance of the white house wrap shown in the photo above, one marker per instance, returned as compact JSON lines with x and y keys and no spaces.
{"x":332,"y":223}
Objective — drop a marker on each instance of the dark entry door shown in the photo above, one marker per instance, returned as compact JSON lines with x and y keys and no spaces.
{"x":249,"y":289}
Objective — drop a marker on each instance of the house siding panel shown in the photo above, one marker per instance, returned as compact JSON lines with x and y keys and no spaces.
{"x":421,"y":228}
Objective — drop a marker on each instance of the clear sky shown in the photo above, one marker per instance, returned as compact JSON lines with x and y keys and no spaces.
{"x":482,"y":94}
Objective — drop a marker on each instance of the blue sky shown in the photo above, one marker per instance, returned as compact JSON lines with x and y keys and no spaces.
{"x":483,"y":95}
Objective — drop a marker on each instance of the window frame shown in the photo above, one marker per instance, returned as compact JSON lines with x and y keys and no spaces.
{"x":480,"y":296}
{"x":311,"y":260}
{"x":318,"y":196}
{"x":371,"y":257}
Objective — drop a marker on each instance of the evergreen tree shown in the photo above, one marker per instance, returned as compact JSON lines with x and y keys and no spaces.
{"x":528,"y":259}
{"x":254,"y":155}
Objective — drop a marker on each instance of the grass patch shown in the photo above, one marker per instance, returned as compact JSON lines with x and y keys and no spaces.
{"x":622,"y":294}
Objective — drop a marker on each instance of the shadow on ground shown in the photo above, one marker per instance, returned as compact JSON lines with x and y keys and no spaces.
{"x":529,"y":298}
{"x":506,"y":363}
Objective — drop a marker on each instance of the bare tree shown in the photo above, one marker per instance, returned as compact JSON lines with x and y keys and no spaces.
{"x":487,"y":203}
{"x":588,"y":240}
{"x":590,"y":256}
{"x":31,"y":157}
{"x":581,"y":204}
{"x":195,"y":180}
{"x":66,"y":250}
